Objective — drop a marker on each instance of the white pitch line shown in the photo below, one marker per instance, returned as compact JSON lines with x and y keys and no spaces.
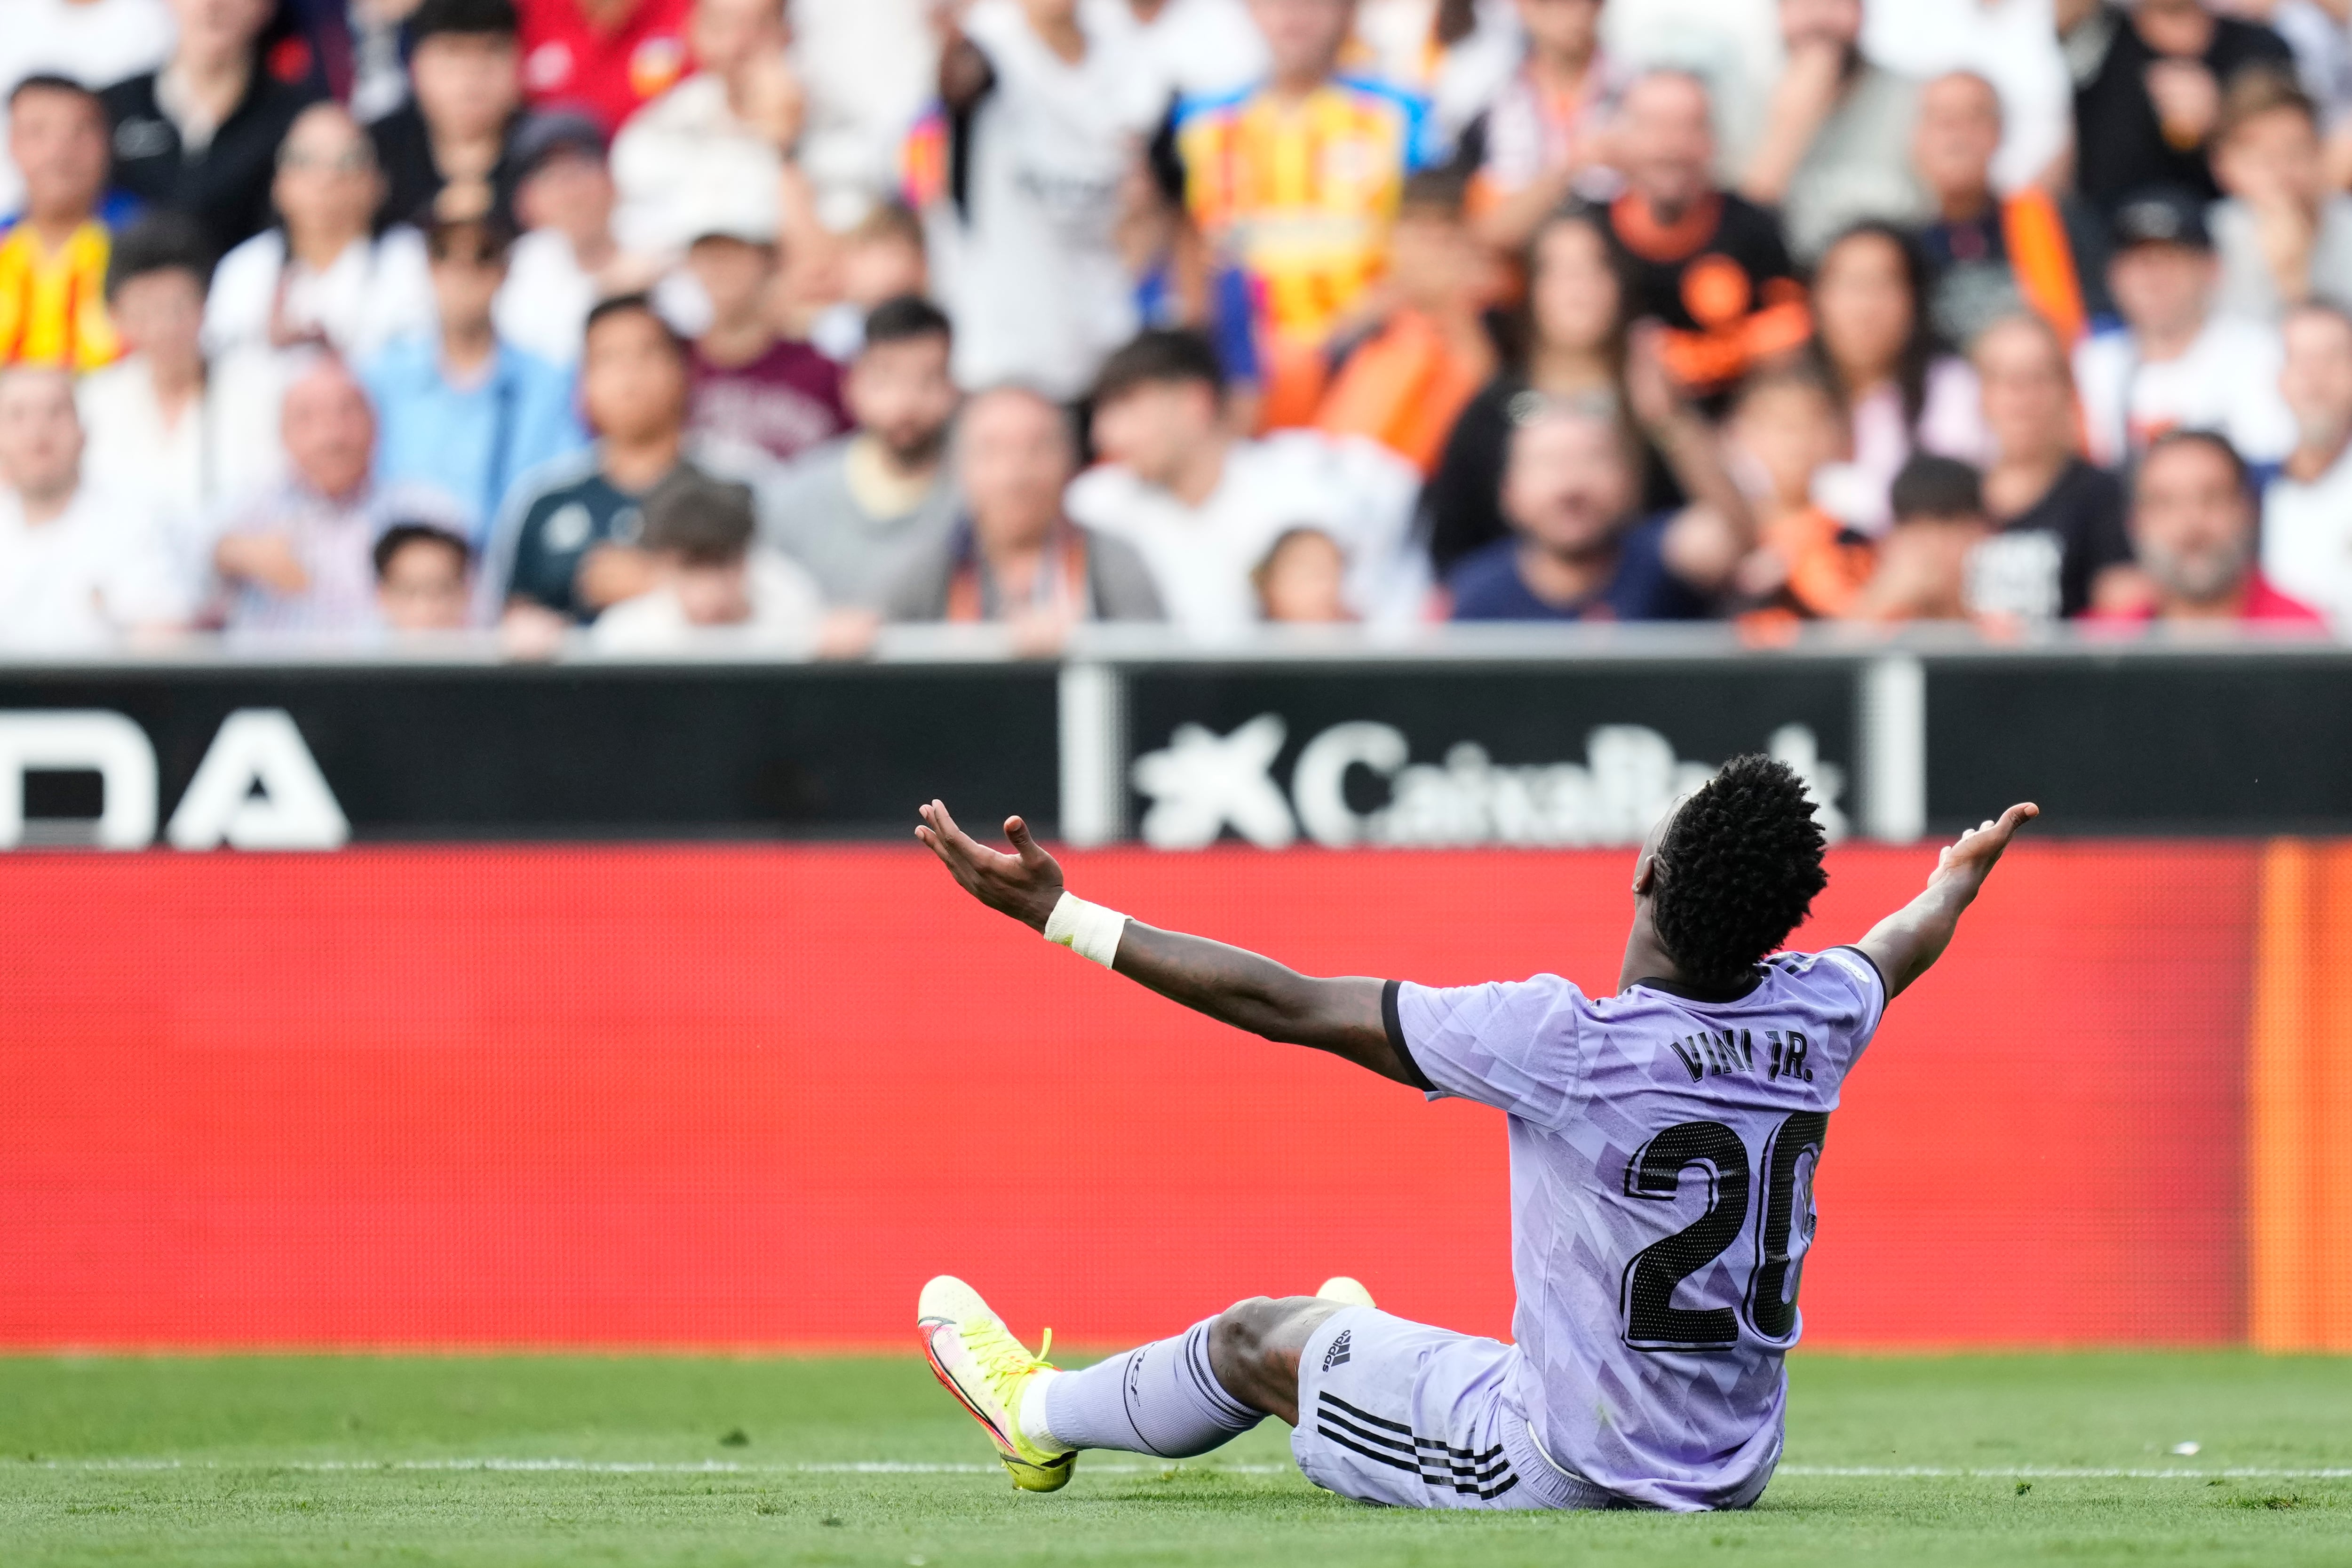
{"x":499,"y":1465}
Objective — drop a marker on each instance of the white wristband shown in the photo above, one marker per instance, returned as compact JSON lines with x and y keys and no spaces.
{"x":1088,"y":930}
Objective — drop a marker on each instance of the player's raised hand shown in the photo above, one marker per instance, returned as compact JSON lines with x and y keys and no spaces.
{"x":1976,"y":851}
{"x":1025,"y":884}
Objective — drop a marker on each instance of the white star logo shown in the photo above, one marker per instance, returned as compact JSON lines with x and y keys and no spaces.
{"x":1204,"y":781}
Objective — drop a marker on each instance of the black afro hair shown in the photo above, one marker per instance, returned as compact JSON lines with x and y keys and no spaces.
{"x":1736,"y":869}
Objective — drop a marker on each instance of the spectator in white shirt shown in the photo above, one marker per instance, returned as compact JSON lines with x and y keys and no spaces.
{"x":726,"y":129}
{"x":300,"y":558}
{"x":714,"y":583}
{"x":93,"y":42}
{"x":2178,"y":364}
{"x":322,"y":276}
{"x":1204,"y":507}
{"x":79,"y":571}
{"x":2308,"y":509}
{"x":1040,"y":140}
{"x":2283,"y":236}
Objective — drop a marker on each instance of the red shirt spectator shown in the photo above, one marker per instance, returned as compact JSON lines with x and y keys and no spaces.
{"x":2192,"y":528}
{"x":606,"y":56}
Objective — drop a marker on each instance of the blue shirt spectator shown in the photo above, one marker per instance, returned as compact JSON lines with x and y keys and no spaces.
{"x":460,"y":411}
{"x":1578,"y":551}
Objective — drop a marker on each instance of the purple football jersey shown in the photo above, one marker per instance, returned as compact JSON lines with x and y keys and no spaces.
{"x":1663,"y":1152}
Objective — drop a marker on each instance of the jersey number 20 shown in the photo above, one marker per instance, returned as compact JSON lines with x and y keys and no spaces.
{"x":1653,"y":1323}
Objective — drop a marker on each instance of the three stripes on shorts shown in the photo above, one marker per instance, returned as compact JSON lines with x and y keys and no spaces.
{"x":1485,"y":1476}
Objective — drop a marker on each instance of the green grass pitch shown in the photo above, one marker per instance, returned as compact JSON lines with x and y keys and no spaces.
{"x":576,"y":1461}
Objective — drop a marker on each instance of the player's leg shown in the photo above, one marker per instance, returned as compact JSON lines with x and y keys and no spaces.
{"x":1172,"y":1398}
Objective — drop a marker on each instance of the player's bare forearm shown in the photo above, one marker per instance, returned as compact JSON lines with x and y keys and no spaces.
{"x":1907,"y":943}
{"x":1229,"y":985}
{"x":1251,"y":991}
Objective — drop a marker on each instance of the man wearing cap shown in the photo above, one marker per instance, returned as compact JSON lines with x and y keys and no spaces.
{"x":566,"y":259}
{"x":457,"y":128}
{"x":2176,"y":364}
{"x":458,"y":410}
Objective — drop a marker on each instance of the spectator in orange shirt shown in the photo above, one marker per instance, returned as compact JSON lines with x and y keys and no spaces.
{"x":1786,"y":427}
{"x":1406,"y":384}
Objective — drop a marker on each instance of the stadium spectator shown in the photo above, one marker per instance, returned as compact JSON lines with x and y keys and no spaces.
{"x":873,"y":514}
{"x":2146,"y":115}
{"x":1295,"y":182}
{"x":424,"y":579}
{"x":1454,"y":55}
{"x":449,"y":147}
{"x":1876,"y":349}
{"x":162,"y":424}
{"x":2284,"y":236}
{"x":1988,"y":255}
{"x":711,"y":578}
{"x":1547,"y":135}
{"x":458,"y":411}
{"x":569,"y":543}
{"x":1406,"y":384}
{"x":1580,"y":549}
{"x":1193,"y":50}
{"x":1708,"y":264}
{"x":1024,"y":562}
{"x":1939,"y":520}
{"x":201,"y":134}
{"x":2058,"y":520}
{"x":1303,"y":581}
{"x":53,"y":254}
{"x":1733,"y":45}
{"x":1040,"y":127}
{"x":2308,"y":509}
{"x":607,"y":57}
{"x":2193,"y":521}
{"x":2177,"y":363}
{"x":322,"y":276}
{"x":79,"y":571}
{"x":1203,"y":507}
{"x":881,"y":259}
{"x":1834,"y":149}
{"x":726,"y":132}
{"x":1787,"y":426}
{"x":566,"y":259}
{"x":1570,"y":339}
{"x":2011,"y":45}
{"x":300,"y":557}
{"x":752,"y":385}
{"x":92,"y":42}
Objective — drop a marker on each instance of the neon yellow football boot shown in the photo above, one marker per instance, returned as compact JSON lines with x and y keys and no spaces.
{"x":1345,"y":1290}
{"x":979,"y":1361}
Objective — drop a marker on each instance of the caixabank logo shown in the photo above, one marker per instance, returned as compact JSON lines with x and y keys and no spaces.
{"x":257,"y":787}
{"x":1204,"y":783}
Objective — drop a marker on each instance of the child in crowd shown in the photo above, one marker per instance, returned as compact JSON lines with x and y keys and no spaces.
{"x":1303,"y":579}
{"x":881,"y":259}
{"x":424,"y":579}
{"x":1786,"y":431}
{"x":709,"y":577}
{"x":1923,"y":561}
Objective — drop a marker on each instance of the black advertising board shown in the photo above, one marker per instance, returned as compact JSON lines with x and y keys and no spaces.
{"x":572,"y":752}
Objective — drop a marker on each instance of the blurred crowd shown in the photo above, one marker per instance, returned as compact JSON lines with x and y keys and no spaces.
{"x":666,"y":323}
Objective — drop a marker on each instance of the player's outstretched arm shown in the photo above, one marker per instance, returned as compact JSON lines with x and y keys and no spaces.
{"x":1907,"y":943}
{"x":1231,"y":985}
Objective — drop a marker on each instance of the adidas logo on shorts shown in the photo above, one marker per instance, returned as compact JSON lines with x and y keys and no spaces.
{"x":1338,"y":1355}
